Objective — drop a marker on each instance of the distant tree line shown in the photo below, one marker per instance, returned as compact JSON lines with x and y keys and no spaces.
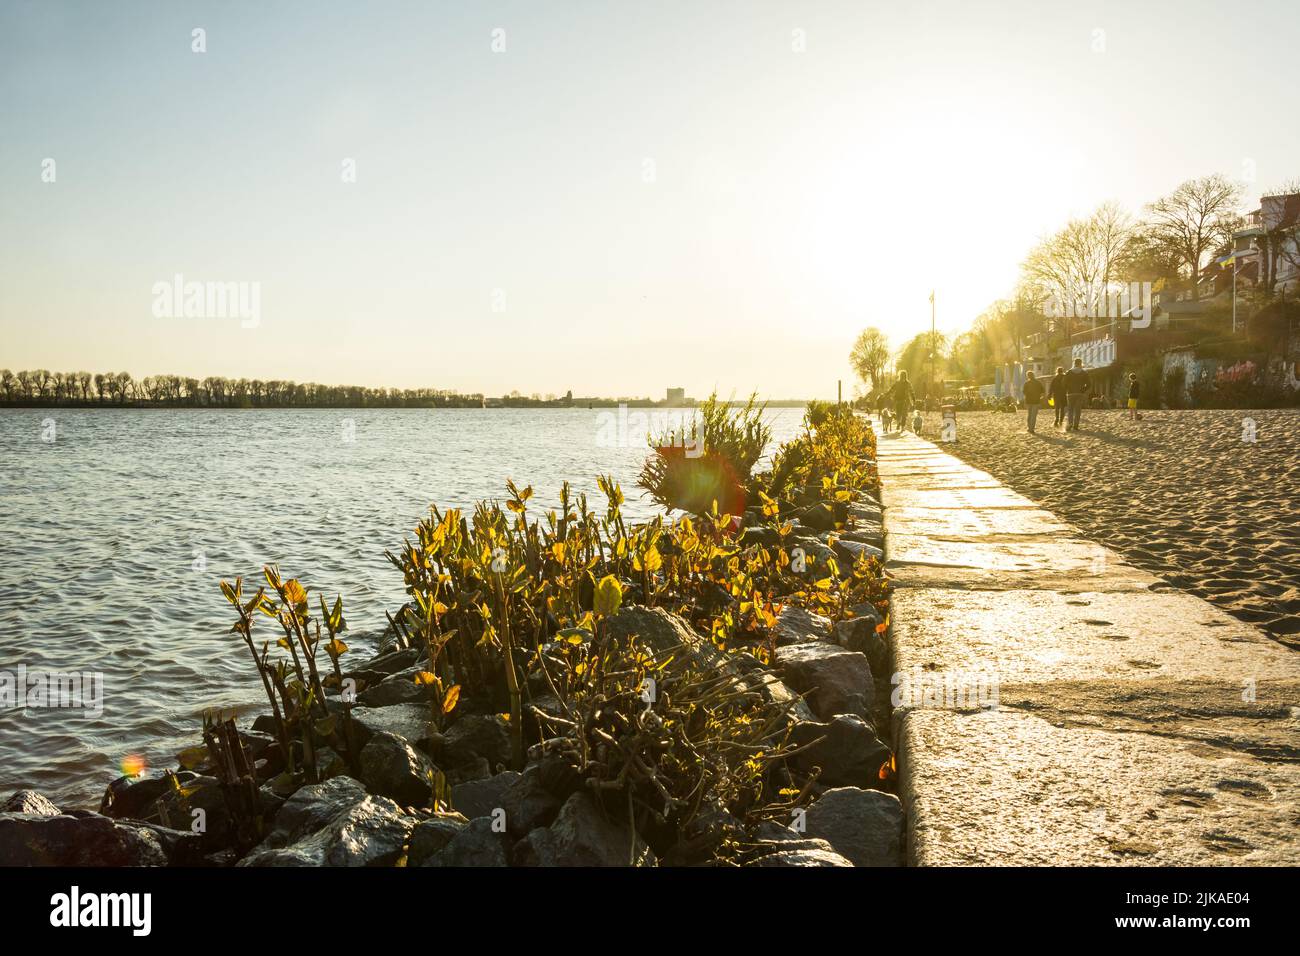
{"x":43,"y":387}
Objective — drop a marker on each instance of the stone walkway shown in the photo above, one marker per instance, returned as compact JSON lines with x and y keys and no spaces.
{"x":1133,"y":723}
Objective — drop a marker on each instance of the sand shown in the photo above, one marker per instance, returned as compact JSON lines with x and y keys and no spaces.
{"x":1179,"y":494}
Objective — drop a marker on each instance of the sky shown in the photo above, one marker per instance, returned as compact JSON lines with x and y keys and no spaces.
{"x":610,"y":197}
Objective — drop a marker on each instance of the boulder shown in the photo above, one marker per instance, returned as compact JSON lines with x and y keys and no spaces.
{"x":583,"y":836}
{"x":411,"y":721}
{"x":377,"y":668}
{"x":819,"y":517}
{"x":860,"y":634}
{"x":849,"y":551}
{"x":475,"y":844}
{"x":833,"y":680}
{"x":134,"y":796}
{"x":529,"y":804}
{"x":335,"y":823}
{"x":849,"y":753}
{"x":81,"y":838}
{"x":797,"y":625}
{"x":478,"y":798}
{"x":805,"y":853}
{"x":311,"y":807}
{"x":760,"y":535}
{"x":863,"y":826}
{"x":372,"y":832}
{"x":816,"y":554}
{"x":31,"y":803}
{"x":401,"y":688}
{"x":393,"y":768}
{"x":664,"y":631}
{"x":478,"y":735}
{"x":430,"y":836}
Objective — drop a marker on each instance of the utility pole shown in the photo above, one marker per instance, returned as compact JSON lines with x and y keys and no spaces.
{"x":929,"y":391}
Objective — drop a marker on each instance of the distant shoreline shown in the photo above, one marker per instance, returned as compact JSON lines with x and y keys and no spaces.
{"x":491,"y":407}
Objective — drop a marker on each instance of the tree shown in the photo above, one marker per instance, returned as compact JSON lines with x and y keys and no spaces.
{"x":1194,"y":220}
{"x":915,"y":358}
{"x":869,"y":356}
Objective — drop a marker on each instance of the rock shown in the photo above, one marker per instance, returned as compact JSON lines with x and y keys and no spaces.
{"x":529,"y":804}
{"x":31,"y":803}
{"x":807,"y":853}
{"x":833,"y":680}
{"x":816,"y":554}
{"x":866,"y":512}
{"x":430,"y":836}
{"x":378,"y":668}
{"x":478,"y":798}
{"x":134,"y":796}
{"x":864,"y":536}
{"x":393,"y":768}
{"x":665,"y":632}
{"x":819,"y":517}
{"x":394,"y":690}
{"x":849,"y":551}
{"x":82,"y":838}
{"x":863,"y":826}
{"x":760,"y":535}
{"x":311,"y":807}
{"x":410,"y":721}
{"x":860,"y":634}
{"x":582,"y":836}
{"x":372,"y":832}
{"x":849,"y":755}
{"x":478,"y":735}
{"x":796,"y":625}
{"x":475,"y":844}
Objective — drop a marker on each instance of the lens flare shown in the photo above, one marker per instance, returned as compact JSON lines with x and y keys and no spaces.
{"x":133,"y":765}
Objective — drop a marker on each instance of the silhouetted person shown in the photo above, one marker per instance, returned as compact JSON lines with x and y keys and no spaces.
{"x":1057,"y":391}
{"x":1133,"y":391}
{"x":903,"y":399}
{"x":1033,"y":398}
{"x":1076,"y":390}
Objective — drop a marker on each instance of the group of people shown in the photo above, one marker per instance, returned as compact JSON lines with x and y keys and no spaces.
{"x":895,"y":406}
{"x":1067,"y":391}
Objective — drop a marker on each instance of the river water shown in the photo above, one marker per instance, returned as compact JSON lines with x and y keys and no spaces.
{"x":117,"y":524}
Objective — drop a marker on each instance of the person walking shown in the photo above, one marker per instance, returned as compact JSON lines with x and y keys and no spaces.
{"x":1033,"y":394}
{"x":1076,"y":390}
{"x":903,"y":399}
{"x":1056,"y":391}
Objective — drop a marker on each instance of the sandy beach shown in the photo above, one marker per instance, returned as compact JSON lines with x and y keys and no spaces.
{"x":1178,"y":493}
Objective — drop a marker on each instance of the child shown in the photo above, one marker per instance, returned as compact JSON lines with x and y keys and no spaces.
{"x":1133,"y":391}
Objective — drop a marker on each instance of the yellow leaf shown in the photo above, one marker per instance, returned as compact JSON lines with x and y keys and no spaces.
{"x":650,"y":561}
{"x":449,"y":702}
{"x":294,"y":592}
{"x":335,"y":647}
{"x":426,"y":678}
{"x":608,"y":597}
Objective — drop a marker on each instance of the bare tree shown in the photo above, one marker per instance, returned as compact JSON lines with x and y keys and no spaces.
{"x":1195,"y":219}
{"x":870,"y":355}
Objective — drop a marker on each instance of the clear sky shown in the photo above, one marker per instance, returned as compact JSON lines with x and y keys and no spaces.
{"x":501,"y":232}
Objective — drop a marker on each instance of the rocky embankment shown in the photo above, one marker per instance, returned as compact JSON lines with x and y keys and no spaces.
{"x":413,"y":795}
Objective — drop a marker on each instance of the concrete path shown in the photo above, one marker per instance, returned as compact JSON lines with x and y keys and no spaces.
{"x":1132,"y":723}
